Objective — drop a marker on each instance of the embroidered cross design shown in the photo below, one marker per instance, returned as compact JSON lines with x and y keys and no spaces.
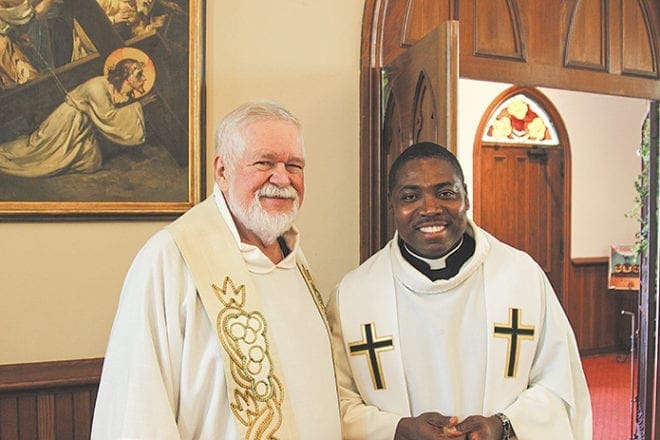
{"x":371,"y":346}
{"x":513,"y":330}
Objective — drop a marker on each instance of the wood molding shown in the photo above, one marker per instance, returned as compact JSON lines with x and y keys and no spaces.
{"x":590,"y":261}
{"x":620,"y":348}
{"x":405,"y":30}
{"x":48,"y":400}
{"x":486,"y":69}
{"x":370,"y":97}
{"x":40,"y":375}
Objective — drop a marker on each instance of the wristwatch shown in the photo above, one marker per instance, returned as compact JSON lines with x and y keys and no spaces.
{"x":507,"y":429}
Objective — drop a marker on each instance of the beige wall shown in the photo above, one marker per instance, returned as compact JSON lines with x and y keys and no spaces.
{"x":605,"y":134}
{"x":304,"y":54}
{"x":60,"y":281}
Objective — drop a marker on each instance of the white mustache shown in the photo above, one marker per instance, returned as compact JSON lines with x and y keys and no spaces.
{"x":270,"y":190}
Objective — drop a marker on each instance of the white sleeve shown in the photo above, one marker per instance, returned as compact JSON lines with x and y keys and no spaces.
{"x":360,"y":421}
{"x":139,"y":391}
{"x":557,"y":403}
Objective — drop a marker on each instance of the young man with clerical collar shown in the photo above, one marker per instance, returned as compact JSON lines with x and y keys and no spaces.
{"x":220,"y":331}
{"x":449,"y":333}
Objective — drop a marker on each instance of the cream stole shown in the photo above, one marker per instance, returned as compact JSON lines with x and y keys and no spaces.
{"x":256,"y":392}
{"x":367,"y":296}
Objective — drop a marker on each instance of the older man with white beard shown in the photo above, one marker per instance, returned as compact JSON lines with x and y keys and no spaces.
{"x":219,"y":323}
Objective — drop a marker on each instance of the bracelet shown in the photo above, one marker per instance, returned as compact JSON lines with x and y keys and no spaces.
{"x":507,"y":429}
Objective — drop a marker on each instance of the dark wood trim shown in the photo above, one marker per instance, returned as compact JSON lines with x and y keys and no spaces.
{"x":654,"y":195}
{"x":558,"y":77}
{"x":40,"y":375}
{"x":405,"y":31}
{"x":619,"y":348}
{"x":370,"y":116}
{"x":589,"y":261}
{"x":49,"y":400}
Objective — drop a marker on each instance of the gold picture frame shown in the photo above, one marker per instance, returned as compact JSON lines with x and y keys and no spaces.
{"x":89,"y":134}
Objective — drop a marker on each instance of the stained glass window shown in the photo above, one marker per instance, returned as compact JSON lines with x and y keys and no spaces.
{"x":520,"y":120}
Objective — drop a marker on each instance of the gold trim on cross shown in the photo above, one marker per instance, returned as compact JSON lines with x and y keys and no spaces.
{"x":512,"y":331}
{"x":371,"y":346}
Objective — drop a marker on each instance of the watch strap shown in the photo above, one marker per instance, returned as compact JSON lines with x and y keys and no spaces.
{"x":507,"y":429}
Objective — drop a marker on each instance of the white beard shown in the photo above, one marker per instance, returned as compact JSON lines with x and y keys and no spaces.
{"x":264,"y":225}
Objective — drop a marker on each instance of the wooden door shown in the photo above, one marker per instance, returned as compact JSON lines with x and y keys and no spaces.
{"x":520,"y":193}
{"x":419,"y":93}
{"x":520,"y":183}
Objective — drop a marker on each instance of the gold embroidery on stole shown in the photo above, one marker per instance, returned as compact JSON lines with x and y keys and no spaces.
{"x":316,"y":294}
{"x":257,"y":401}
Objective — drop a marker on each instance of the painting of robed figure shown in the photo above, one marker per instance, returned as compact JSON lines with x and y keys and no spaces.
{"x":101,"y":107}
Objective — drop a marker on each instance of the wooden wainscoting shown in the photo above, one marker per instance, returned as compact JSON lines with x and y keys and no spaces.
{"x":595,"y":311}
{"x":48,"y":400}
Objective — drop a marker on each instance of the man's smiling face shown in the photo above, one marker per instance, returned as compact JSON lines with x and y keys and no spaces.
{"x":266,"y":185}
{"x":429,"y":202}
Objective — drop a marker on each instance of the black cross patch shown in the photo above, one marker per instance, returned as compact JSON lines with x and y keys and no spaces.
{"x":371,"y":346}
{"x":512,"y":331}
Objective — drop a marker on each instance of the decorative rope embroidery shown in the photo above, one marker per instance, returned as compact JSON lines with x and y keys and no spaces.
{"x":259,"y":393}
{"x":316,"y":294}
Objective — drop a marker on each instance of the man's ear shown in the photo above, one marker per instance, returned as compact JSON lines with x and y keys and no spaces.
{"x":220,"y":171}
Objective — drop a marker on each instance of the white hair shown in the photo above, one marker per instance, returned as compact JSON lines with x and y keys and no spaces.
{"x":229,"y":142}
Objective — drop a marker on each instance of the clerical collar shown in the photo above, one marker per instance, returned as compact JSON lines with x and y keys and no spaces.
{"x":452,"y":261}
{"x":435,"y":263}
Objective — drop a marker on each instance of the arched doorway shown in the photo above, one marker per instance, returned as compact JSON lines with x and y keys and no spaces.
{"x":521,"y":178}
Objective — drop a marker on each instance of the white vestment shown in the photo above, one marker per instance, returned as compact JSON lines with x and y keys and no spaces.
{"x":163,"y":376}
{"x":444,"y":345}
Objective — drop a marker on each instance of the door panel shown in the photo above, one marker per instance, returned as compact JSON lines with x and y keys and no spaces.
{"x":425,"y":112}
{"x":419,"y":90}
{"x":521,"y":194}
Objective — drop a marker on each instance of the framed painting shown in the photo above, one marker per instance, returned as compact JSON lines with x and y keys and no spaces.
{"x":102,"y":107}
